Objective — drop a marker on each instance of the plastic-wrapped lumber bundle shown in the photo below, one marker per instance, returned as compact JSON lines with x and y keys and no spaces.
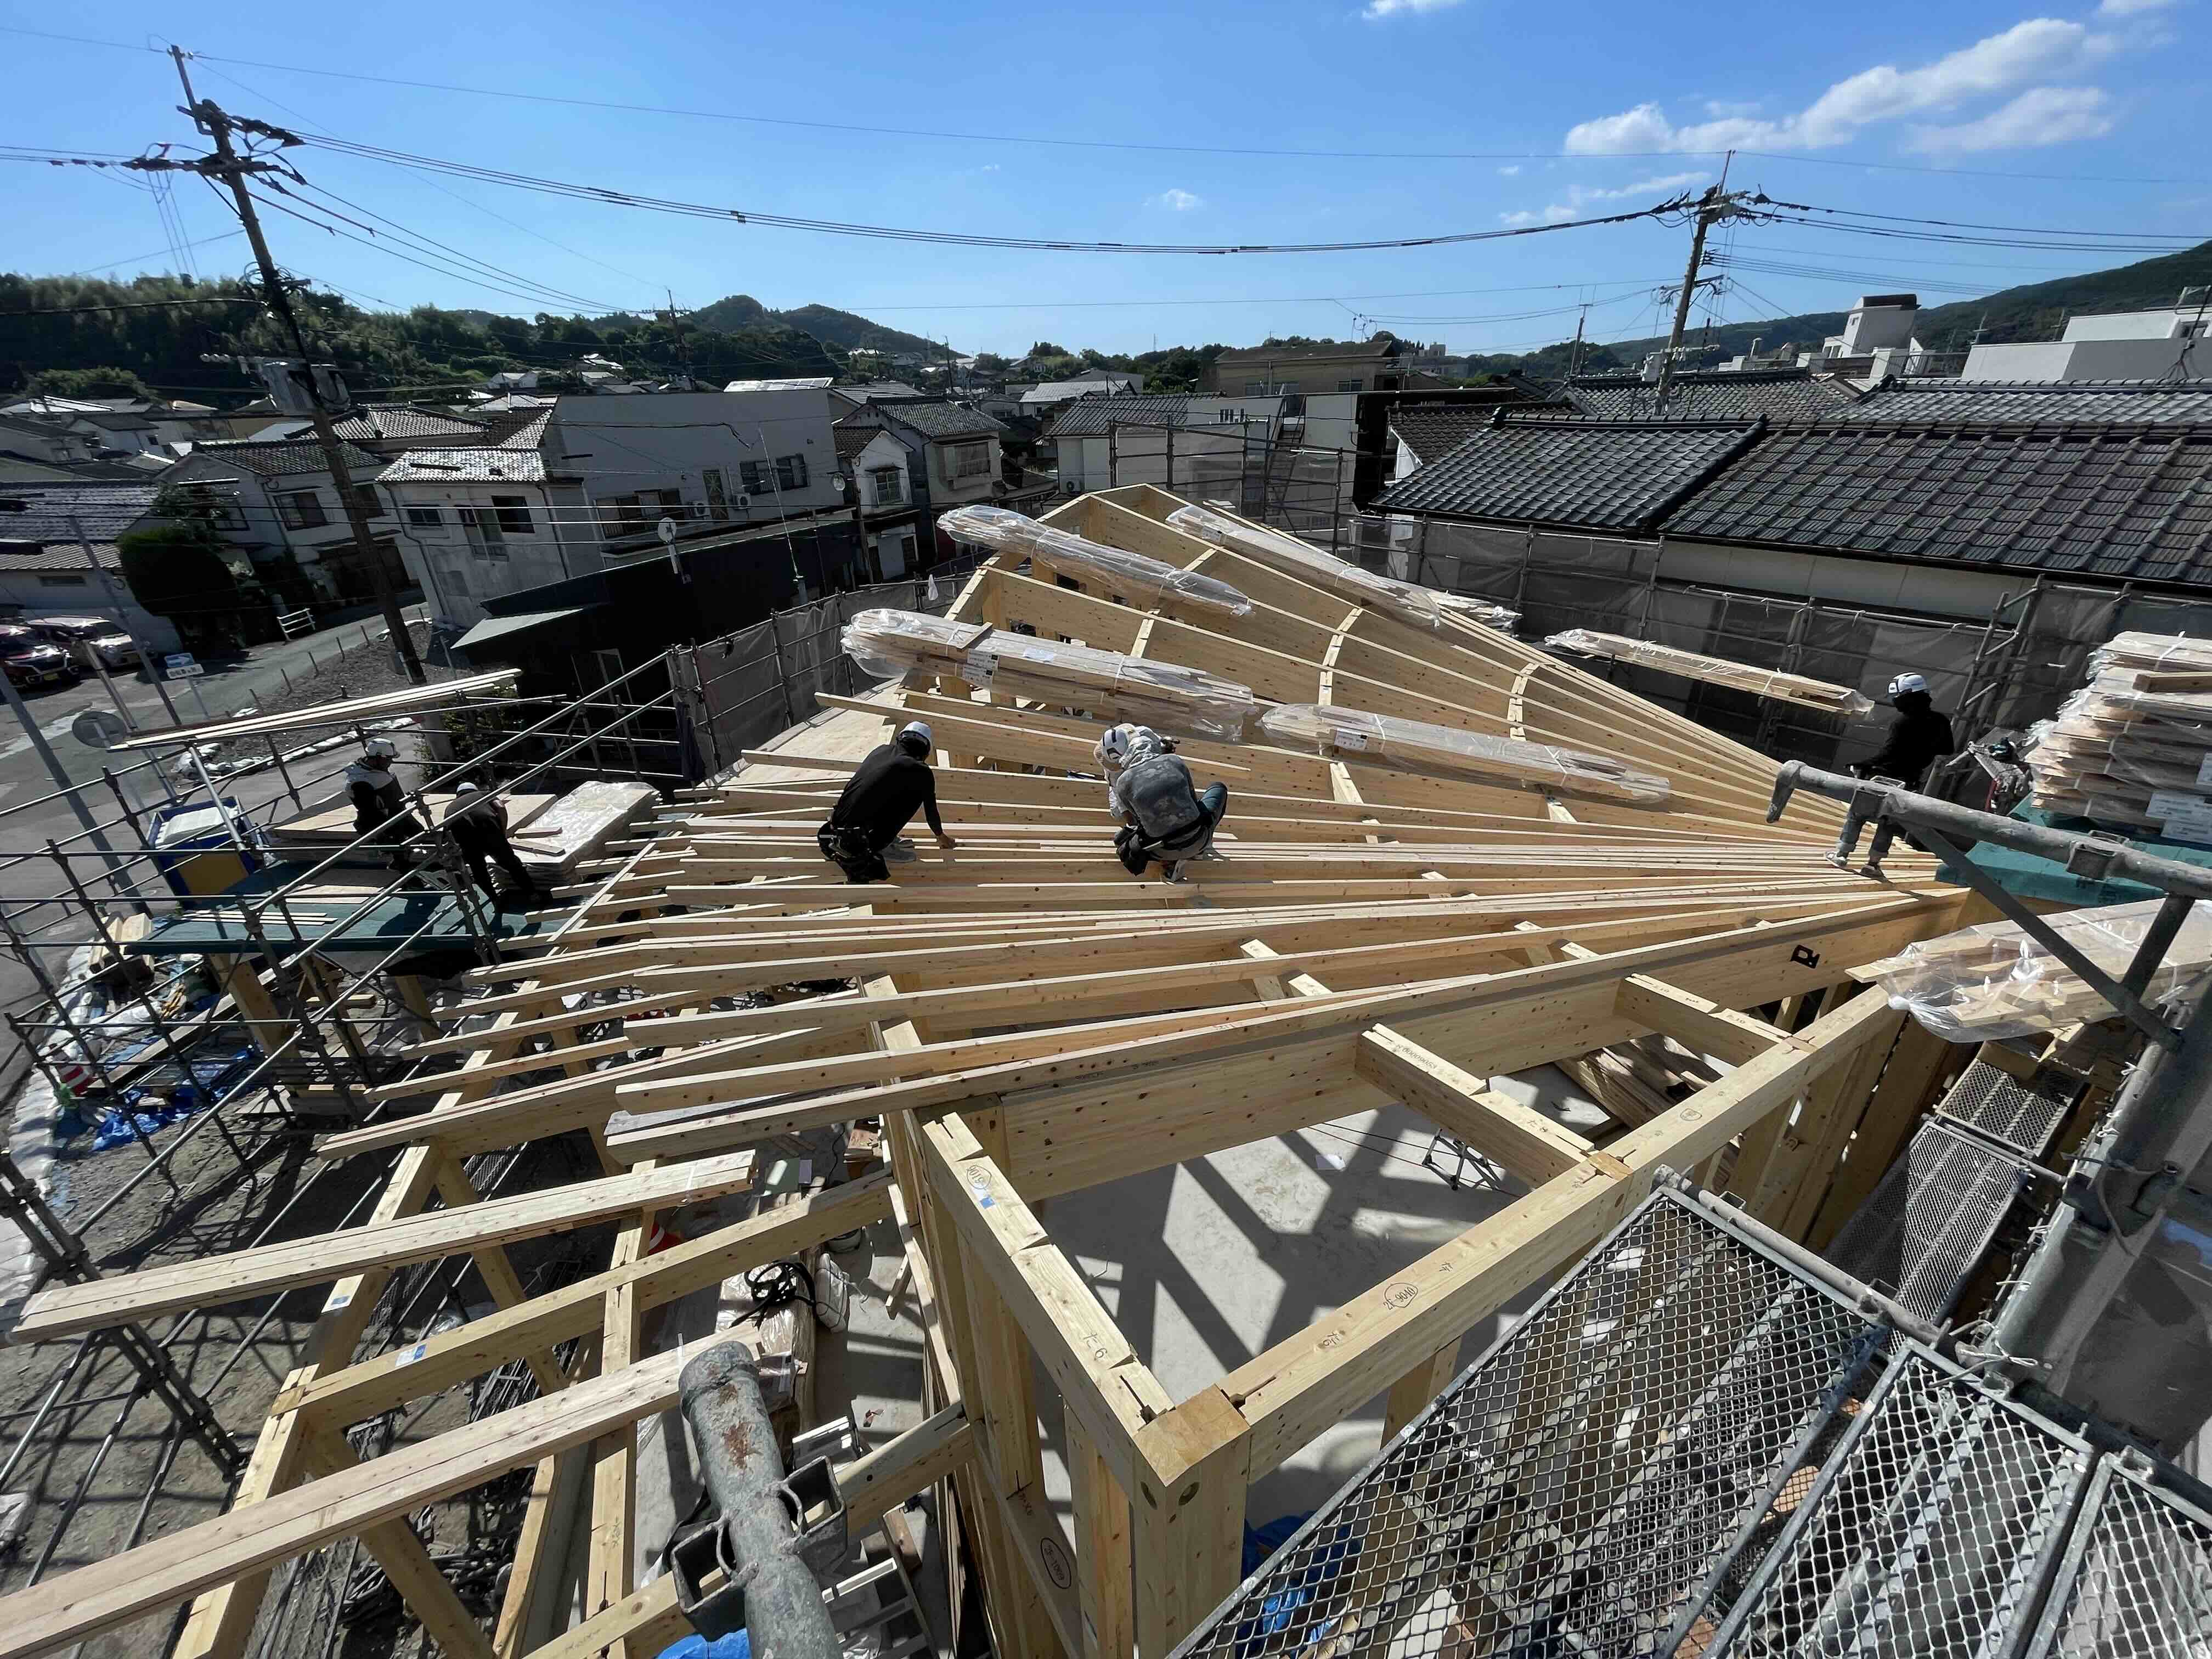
{"x":1417,"y":607}
{"x":1189,"y":701}
{"x":1355,"y":735}
{"x":1984,"y":983}
{"x":1125,"y":575}
{"x":1717,"y":671}
{"x":2156,"y":662}
{"x":2130,"y":758}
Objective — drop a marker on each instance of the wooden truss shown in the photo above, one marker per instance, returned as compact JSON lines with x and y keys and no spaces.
{"x":1026,"y":1020}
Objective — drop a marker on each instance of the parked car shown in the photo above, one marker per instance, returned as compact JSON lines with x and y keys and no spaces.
{"x":83,"y":637}
{"x":31,"y":661}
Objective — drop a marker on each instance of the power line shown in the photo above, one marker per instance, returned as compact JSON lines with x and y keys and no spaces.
{"x":952,"y":239}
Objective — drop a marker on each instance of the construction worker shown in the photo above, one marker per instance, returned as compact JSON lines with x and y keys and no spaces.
{"x":1112,"y":751}
{"x":879,"y":800}
{"x":378,"y":799}
{"x":1917,"y":737}
{"x":477,"y":824}
{"x":1164,"y":818}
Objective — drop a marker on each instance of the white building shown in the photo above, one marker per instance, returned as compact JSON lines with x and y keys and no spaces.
{"x":587,"y":483}
{"x":878,"y":465}
{"x":2161,"y":343}
{"x":1084,"y":434}
{"x":275,"y":499}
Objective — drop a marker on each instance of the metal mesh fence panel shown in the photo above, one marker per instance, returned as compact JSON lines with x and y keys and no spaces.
{"x":2136,"y":1581}
{"x":2021,"y":1116}
{"x":1930,"y":1530}
{"x":1575,"y":1489}
{"x":1923,"y":1230}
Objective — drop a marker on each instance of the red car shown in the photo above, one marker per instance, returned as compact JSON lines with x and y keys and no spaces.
{"x":31,"y":661}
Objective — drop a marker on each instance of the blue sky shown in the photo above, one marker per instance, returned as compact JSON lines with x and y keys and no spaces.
{"x":1505,"y":115}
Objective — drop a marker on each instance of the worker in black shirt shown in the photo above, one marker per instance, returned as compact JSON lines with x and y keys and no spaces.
{"x":881,"y":799}
{"x":379,"y":801}
{"x":478,"y":827}
{"x":1917,"y":737}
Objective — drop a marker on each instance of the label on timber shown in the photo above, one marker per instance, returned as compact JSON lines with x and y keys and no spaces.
{"x":2193,"y":826}
{"x":2172,"y":803}
{"x":1352,"y":740}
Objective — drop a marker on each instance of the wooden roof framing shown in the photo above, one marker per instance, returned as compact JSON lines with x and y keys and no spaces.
{"x":1028,"y":1020}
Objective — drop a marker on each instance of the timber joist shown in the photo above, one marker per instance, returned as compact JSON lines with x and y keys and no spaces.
{"x":1027,"y":1019}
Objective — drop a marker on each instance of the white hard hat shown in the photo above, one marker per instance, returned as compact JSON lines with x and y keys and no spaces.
{"x":916,"y":729}
{"x":379,"y":749}
{"x":1145,"y":741}
{"x":1905,"y":683}
{"x":1114,"y":747}
{"x":466,"y":788}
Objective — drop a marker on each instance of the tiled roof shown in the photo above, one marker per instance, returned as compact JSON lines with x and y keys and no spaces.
{"x":475,"y":466}
{"x":283,"y":458}
{"x":937,"y":417}
{"x":1616,"y":476}
{"x":865,"y":391}
{"x":2120,"y":503}
{"x":1432,"y":431}
{"x":1788,"y":394}
{"x":52,"y":556}
{"x":851,"y":440}
{"x":2044,"y":402}
{"x":43,"y":428}
{"x":42,"y":512}
{"x":531,"y":434}
{"x":405,"y":420}
{"x":1091,"y":417}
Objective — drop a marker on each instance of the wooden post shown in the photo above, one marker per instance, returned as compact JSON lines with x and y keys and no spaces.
{"x":1104,"y":1564}
{"x":1188,"y":1516}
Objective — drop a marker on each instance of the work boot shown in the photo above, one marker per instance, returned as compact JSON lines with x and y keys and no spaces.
{"x":899,"y":851}
{"x":1173,"y":873}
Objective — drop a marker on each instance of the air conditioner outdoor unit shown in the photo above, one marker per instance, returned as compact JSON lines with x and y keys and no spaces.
{"x":744,"y":500}
{"x":698,"y":509}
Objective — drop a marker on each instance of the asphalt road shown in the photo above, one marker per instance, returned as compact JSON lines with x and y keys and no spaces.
{"x":28,"y":819}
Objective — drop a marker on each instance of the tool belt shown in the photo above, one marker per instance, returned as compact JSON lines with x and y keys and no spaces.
{"x":851,"y":851}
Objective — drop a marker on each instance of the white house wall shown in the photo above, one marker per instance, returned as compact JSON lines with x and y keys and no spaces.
{"x":668,"y":440}
{"x":456,"y":578}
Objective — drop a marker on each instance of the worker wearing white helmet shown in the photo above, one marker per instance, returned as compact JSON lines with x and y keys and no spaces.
{"x":1165,"y":818}
{"x":879,"y":801}
{"x":1111,"y":752}
{"x":1918,"y":735}
{"x":379,"y":804}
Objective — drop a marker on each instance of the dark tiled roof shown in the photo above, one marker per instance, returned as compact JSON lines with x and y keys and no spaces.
{"x":851,"y":440}
{"x":531,"y":434}
{"x":2119,"y":504}
{"x":52,"y":556}
{"x":405,"y":420}
{"x":46,"y":510}
{"x":865,"y":391}
{"x":1091,"y":417}
{"x":1432,"y":431}
{"x":1788,"y":394}
{"x":939,"y":417}
{"x":1617,"y":476}
{"x":2043,"y":403}
{"x":282,"y":458}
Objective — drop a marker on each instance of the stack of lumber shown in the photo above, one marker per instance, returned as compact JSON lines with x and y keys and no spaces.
{"x":1716,"y":670}
{"x":1354,"y":736}
{"x":2133,"y":749}
{"x":1129,"y":577}
{"x":1184,"y":700}
{"x":1985,"y":983}
{"x":328,"y":825}
{"x":1417,"y":607}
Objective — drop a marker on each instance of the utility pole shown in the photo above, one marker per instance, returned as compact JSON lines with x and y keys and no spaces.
{"x":230,"y":168}
{"x":1712,"y":206}
{"x":683,"y":352}
{"x":1575,"y":356}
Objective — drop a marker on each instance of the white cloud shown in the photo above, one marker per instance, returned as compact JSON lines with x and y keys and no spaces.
{"x":2044,"y":115}
{"x":1513,"y":172}
{"x":1176,"y":201}
{"x":1581,"y":197}
{"x":2129,"y":8}
{"x":2025,"y":53}
{"x":1723,"y":108}
{"x":1376,"y":11}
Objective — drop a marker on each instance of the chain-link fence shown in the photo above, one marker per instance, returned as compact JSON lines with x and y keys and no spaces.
{"x":1575,"y":1489}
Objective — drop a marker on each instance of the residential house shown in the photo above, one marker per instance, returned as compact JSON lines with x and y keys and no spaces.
{"x":587,"y":483}
{"x":876,"y":464}
{"x":952,"y":451}
{"x":1807,"y":393}
{"x":2163,"y":342}
{"x":844,"y":400}
{"x":1047,"y":395}
{"x":278,"y":503}
{"x":42,"y":438}
{"x":59,"y":557}
{"x":111,"y":428}
{"x":1370,"y":366}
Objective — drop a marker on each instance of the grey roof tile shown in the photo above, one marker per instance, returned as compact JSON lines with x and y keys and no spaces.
{"x":481,"y":464}
{"x":940,"y":417}
{"x":1786,"y":394}
{"x":282,"y":458}
{"x":1089,"y":417}
{"x":1432,"y":431}
{"x":2119,"y":502}
{"x":53,"y":512}
{"x":2042,"y":402}
{"x":1610,"y":475}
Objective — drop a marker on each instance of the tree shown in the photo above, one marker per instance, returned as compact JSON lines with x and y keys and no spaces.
{"x":89,"y":383}
{"x":177,"y":571}
{"x":1047,"y":349}
{"x":990,"y":362}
